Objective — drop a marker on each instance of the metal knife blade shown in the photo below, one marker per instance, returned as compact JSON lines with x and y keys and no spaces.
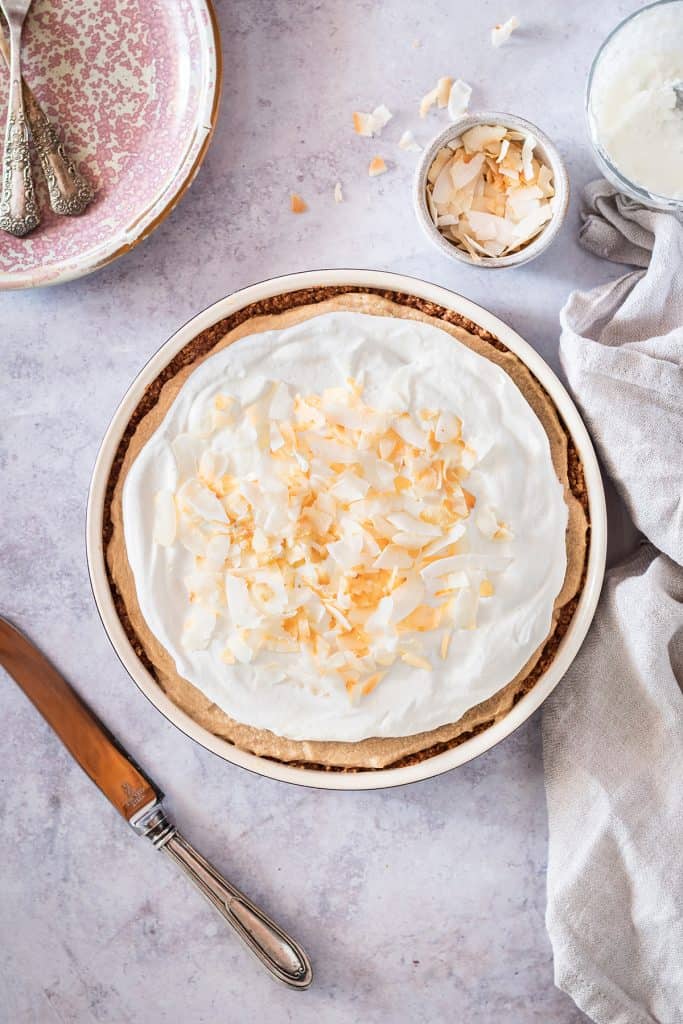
{"x":138,"y":800}
{"x":82,"y":733}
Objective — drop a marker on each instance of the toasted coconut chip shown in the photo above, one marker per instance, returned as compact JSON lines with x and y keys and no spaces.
{"x":409,"y":143}
{"x":445,"y":540}
{"x":242,"y":610}
{"x":428,"y":101}
{"x":529,"y":227}
{"x":484,"y":137}
{"x":372,"y":124}
{"x":338,"y":194}
{"x":201,"y":502}
{"x":381,"y":116}
{"x":487,"y":192}
{"x":217,"y":552}
{"x":501,"y":33}
{"x":443,"y":90}
{"x":415,"y":660}
{"x":377,"y":166}
{"x":462,"y":174}
{"x":296,"y":203}
{"x":409,"y":431}
{"x":410,"y":524}
{"x":187,"y":451}
{"x":486,"y":521}
{"x":363,"y":124}
{"x":545,"y":181}
{"x":242,"y":649}
{"x":394,"y":557}
{"x":440,"y":160}
{"x":459,"y":99}
{"x":371,"y":682}
{"x":527,"y":154}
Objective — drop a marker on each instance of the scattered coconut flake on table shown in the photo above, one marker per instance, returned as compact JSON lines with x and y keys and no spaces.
{"x":443,"y":91}
{"x":428,"y":101}
{"x":488,"y":193}
{"x":343,"y":532}
{"x":447,"y":93}
{"x":501,"y":33}
{"x":338,"y":194}
{"x":377,"y":166}
{"x":296,"y":203}
{"x":409,"y":143}
{"x":459,"y":99}
{"x":371,"y":124}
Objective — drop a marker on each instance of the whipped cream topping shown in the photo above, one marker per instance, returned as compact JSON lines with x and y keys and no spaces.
{"x":347,"y":528}
{"x":634,"y":100}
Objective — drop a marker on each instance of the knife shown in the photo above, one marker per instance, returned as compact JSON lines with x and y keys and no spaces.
{"x":139,"y":801}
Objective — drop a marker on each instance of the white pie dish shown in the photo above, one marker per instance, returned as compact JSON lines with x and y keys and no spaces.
{"x":307,"y":776}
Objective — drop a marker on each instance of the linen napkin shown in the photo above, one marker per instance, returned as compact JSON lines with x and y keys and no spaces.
{"x":613,"y":729}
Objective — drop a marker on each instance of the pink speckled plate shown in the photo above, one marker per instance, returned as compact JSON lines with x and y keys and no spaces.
{"x":134,"y":86}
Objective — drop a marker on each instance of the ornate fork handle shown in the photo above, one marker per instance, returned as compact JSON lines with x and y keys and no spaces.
{"x":69,"y":192}
{"x":18,"y":209}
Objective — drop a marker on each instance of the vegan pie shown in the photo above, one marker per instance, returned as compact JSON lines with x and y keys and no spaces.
{"x":346,"y":528}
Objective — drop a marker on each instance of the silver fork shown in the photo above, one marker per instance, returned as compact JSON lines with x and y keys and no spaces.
{"x":68,"y":190}
{"x":18,"y":208}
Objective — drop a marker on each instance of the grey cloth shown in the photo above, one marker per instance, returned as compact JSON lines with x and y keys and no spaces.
{"x":613,"y":729}
{"x":622,"y":351}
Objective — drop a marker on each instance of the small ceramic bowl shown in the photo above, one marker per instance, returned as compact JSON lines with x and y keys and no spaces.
{"x":548,"y":154}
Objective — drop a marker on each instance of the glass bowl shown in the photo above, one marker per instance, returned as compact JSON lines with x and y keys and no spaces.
{"x":602,"y":159}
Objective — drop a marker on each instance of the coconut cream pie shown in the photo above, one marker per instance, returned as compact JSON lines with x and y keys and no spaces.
{"x":346,"y":529}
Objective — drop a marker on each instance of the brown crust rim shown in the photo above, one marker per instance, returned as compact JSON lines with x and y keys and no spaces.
{"x":202,"y":344}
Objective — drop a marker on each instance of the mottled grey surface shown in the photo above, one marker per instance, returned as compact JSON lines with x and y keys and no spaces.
{"x":424,"y":903}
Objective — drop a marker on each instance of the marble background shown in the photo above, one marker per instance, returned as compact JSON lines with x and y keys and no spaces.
{"x":424,"y":903}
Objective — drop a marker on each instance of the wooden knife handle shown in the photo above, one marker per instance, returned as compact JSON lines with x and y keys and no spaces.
{"x":79,"y":729}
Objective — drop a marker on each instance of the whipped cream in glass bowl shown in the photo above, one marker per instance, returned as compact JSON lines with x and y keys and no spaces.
{"x":634,"y":113}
